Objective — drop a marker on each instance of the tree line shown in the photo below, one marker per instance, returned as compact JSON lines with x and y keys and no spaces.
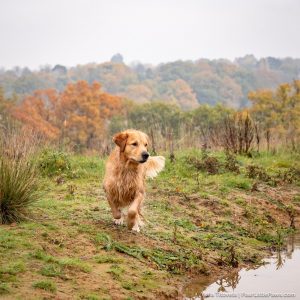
{"x":84,"y":117}
{"x":183,"y":83}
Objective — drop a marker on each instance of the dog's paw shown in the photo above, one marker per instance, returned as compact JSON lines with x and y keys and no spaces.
{"x":136,"y":227}
{"x":140,"y":222}
{"x":119,"y":221}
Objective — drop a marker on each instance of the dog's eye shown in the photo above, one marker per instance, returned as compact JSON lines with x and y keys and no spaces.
{"x":146,"y":145}
{"x":134,"y":144}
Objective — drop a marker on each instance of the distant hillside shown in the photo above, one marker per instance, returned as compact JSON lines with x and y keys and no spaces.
{"x":186,"y":83}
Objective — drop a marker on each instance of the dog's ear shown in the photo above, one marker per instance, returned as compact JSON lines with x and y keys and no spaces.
{"x":120,"y":139}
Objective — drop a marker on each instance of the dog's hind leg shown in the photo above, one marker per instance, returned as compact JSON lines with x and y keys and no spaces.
{"x":133,"y":213}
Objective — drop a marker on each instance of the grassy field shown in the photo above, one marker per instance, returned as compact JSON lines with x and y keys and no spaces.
{"x":196,"y":223}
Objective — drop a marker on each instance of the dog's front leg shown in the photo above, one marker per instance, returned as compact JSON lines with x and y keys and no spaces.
{"x":116,"y":212}
{"x":133,"y":215}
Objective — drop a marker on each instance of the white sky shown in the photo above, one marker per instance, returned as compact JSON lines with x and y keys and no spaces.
{"x":71,"y":32}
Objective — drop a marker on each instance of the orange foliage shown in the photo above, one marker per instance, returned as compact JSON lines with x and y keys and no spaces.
{"x":37,"y":112}
{"x":79,"y":113}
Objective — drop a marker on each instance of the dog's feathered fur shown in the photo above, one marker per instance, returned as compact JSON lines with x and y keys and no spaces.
{"x":126,"y":171}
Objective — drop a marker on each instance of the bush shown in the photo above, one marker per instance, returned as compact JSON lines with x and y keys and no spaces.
{"x":209,"y":164}
{"x":257,"y":172}
{"x":18,"y":177}
{"x":231,"y":163}
{"x":54,"y":162}
{"x":291,"y":175}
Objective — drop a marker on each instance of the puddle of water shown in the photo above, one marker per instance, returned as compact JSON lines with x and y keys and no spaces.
{"x":279,"y":278}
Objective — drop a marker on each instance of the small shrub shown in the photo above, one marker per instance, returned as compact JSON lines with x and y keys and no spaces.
{"x":195,"y":162}
{"x":54,"y":163}
{"x":257,"y":172}
{"x":231,"y":163}
{"x":18,"y":178}
{"x":209,"y":164}
{"x":289,"y":176}
{"x":45,"y":285}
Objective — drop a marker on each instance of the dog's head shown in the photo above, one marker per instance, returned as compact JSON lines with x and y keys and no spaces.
{"x":133,"y":144}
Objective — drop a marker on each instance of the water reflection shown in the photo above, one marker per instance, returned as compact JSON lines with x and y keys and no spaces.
{"x":229,"y":281}
{"x":279,"y":275}
{"x":279,"y":260}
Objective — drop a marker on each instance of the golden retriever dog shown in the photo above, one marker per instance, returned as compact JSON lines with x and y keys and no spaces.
{"x":126,"y":170}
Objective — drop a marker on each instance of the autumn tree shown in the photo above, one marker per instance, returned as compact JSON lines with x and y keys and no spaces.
{"x":84,"y":110}
{"x":38,"y":112}
{"x":278,"y":111}
{"x":79,"y":114}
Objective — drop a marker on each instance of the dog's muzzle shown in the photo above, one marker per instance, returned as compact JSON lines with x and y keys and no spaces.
{"x":145,"y":156}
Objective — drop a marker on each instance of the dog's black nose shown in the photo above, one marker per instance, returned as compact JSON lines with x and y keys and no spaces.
{"x":145,"y":155}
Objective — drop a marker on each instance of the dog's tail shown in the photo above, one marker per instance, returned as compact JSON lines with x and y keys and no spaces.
{"x":154,"y":165}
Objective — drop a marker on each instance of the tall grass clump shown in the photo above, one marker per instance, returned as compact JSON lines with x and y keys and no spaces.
{"x":18,"y":176}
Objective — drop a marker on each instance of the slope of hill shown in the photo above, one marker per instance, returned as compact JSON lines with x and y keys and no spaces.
{"x":186,"y":83}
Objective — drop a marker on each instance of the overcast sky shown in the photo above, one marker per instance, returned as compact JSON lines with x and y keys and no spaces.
{"x":71,"y":32}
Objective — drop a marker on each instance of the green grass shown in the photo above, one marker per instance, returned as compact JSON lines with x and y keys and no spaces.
{"x":116,"y":271}
{"x":4,"y":288}
{"x":66,"y":262}
{"x":192,"y":219}
{"x":52,"y":270}
{"x":104,"y":259}
{"x":46,"y":285}
{"x":13,"y":268}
